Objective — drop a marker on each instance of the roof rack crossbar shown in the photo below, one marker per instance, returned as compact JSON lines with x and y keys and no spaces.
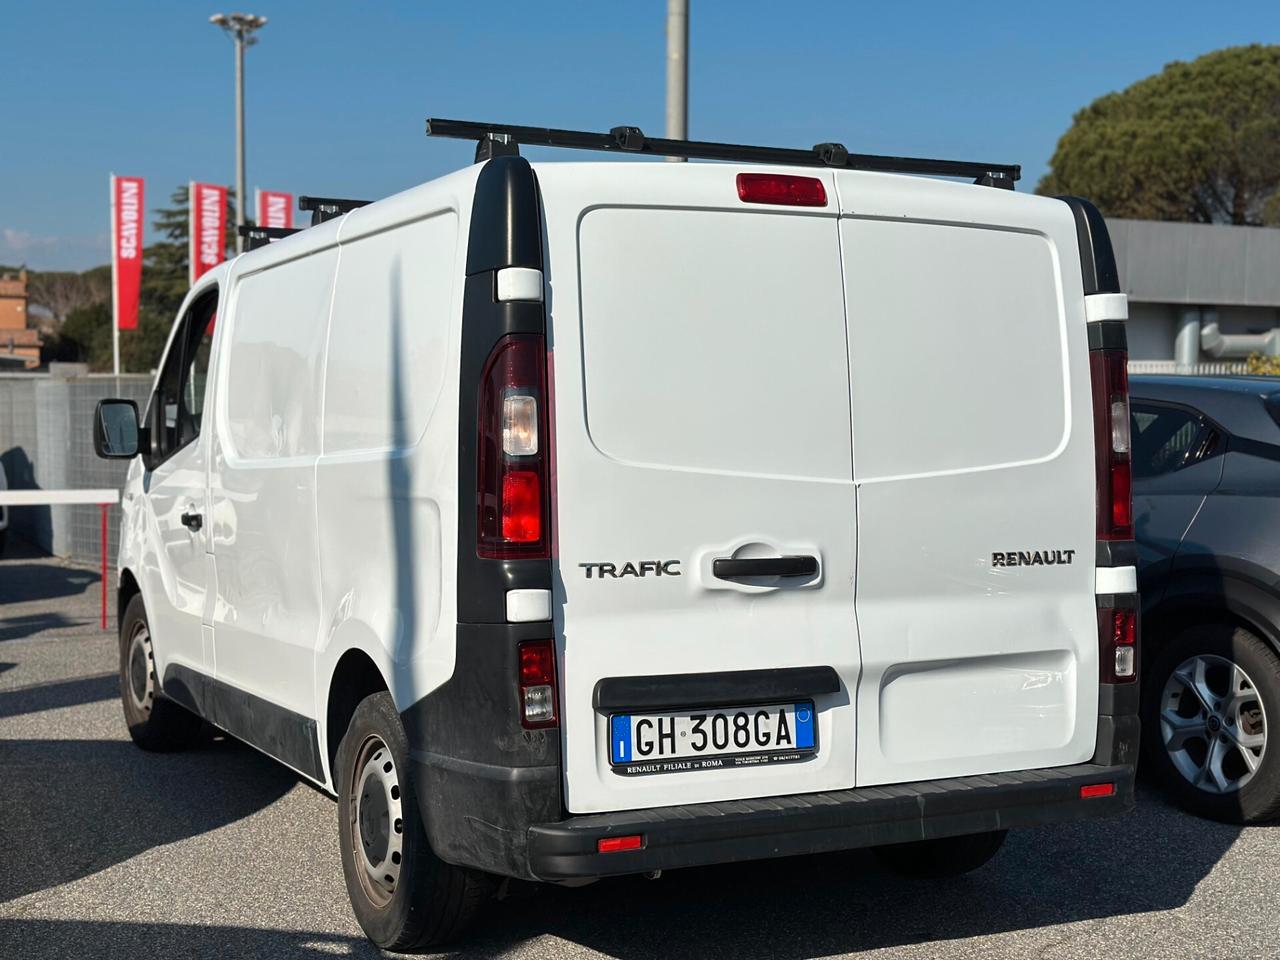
{"x":256,"y":236}
{"x":326,"y":208}
{"x":633,"y":140}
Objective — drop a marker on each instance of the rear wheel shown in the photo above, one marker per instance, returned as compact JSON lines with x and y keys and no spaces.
{"x":944,"y":857}
{"x":403,"y":895}
{"x":1211,"y":699}
{"x":154,"y":722}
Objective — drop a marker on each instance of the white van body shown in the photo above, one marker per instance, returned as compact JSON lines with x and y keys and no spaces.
{"x":891,"y":388}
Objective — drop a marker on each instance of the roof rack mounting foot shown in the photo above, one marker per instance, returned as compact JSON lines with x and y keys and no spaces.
{"x":996,"y":178}
{"x":496,"y":145}
{"x":832,"y":154}
{"x":256,"y":236}
{"x":628,"y":138}
{"x":327,"y":208}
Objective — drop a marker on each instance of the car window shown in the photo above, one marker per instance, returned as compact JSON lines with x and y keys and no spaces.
{"x":181,"y":386}
{"x":1163,"y":439}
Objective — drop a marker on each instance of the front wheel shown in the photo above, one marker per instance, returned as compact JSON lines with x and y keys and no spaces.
{"x":1211,"y":699}
{"x":155,"y":723}
{"x":944,"y":857}
{"x":403,"y":895}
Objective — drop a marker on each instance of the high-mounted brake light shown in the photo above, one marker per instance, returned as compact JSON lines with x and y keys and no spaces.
{"x":511,"y":482}
{"x":537,"y":683}
{"x":1108,"y":369}
{"x":1117,"y":644}
{"x":783,"y":189}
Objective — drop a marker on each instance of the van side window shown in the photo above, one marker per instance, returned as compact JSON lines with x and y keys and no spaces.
{"x":181,"y":386}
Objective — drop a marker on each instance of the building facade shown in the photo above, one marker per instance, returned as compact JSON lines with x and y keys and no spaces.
{"x":19,"y":345}
{"x":1200,"y":295}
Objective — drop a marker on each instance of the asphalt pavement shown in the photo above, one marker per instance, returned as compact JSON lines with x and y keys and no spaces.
{"x":106,"y":851}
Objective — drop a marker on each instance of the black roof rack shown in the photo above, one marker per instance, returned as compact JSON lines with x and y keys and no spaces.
{"x":256,"y":236}
{"x":326,"y":208}
{"x":496,"y":139}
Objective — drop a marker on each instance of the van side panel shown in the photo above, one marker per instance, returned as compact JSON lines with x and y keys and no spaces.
{"x":972,"y":443}
{"x":262,"y":480}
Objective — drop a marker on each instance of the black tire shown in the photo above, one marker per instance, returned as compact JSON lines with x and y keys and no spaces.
{"x":1259,"y":798}
{"x":154,"y":722}
{"x":4,"y":541}
{"x":419,"y":901}
{"x":944,"y":857}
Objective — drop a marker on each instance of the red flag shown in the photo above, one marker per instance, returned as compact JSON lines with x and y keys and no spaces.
{"x":275,"y":209}
{"x":126,"y":249}
{"x":207,"y":230}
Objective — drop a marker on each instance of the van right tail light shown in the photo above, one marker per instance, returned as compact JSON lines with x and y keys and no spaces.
{"x":1117,"y":644}
{"x":1108,"y":370}
{"x":511,"y":475}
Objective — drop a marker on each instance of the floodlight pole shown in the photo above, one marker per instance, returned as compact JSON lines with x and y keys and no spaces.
{"x":240,"y":27}
{"x":677,"y":72}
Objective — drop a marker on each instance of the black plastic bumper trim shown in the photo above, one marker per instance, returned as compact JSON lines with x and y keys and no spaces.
{"x":671,"y":691}
{"x":1117,"y":553}
{"x":701,"y":834}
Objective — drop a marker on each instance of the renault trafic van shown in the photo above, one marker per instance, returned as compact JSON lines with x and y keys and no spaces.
{"x":567,"y":521}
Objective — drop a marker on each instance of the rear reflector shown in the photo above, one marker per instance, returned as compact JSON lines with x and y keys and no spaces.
{"x":782,"y":189}
{"x":617,"y":844}
{"x":1091,"y":790}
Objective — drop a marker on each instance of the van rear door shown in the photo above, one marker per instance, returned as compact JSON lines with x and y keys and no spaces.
{"x":703,"y":498}
{"x":973,"y":454}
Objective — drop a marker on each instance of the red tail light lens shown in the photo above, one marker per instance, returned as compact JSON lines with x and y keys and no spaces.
{"x":1117,"y":645}
{"x":782,"y":189}
{"x":537,"y":683}
{"x":511,"y":485}
{"x":1108,"y":371}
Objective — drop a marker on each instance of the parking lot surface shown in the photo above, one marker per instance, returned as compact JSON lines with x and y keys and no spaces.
{"x":109,"y":852}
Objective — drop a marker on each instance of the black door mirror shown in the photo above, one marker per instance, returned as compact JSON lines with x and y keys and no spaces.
{"x":116,"y":433}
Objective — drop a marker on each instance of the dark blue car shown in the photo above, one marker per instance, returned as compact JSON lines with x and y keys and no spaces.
{"x":1206,"y":492}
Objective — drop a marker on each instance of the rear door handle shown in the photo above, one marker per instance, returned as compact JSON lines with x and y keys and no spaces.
{"x":192,"y":521}
{"x":727,"y":568}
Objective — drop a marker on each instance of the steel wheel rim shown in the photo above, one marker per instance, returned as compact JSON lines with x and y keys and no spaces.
{"x":1213,"y":724}
{"x":140,"y":669}
{"x":376,"y":821}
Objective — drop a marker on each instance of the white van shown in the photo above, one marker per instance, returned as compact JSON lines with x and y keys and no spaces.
{"x":574,"y":520}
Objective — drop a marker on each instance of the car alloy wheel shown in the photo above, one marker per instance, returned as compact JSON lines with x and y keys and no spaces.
{"x":1213,"y":724}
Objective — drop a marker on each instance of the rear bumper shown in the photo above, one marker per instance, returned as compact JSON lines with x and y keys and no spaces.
{"x":709,"y":833}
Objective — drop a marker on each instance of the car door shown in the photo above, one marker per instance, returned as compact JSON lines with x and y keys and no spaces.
{"x":174,"y":493}
{"x":1175,"y":466}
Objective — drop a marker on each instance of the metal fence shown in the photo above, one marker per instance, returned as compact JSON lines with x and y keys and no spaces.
{"x":46,"y":442}
{"x":1215,"y":368}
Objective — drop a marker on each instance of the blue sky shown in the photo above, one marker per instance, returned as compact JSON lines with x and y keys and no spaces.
{"x":337,"y":92}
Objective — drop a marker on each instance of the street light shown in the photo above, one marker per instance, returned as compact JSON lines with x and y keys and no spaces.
{"x":240,"y":28}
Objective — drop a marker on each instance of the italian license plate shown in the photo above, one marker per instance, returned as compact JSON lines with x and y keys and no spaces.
{"x":711,"y":739}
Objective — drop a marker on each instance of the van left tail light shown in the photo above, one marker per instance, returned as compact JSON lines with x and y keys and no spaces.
{"x":511,"y":481}
{"x":537,"y":684}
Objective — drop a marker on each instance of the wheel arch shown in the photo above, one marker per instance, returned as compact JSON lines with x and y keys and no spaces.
{"x":126,"y":589}
{"x":1212,"y":596}
{"x":354,"y":677}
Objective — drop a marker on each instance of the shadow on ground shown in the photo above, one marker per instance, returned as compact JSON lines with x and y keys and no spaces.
{"x":69,"y":808}
{"x":60,"y":693}
{"x":29,"y":582}
{"x":40,"y":939}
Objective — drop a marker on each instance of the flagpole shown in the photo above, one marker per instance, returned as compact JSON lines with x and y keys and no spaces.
{"x":192,"y":227}
{"x":115,"y":283}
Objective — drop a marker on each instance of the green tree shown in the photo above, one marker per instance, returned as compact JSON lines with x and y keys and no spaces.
{"x":1199,"y":142}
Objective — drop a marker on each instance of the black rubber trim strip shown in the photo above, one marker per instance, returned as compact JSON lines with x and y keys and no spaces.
{"x":275,"y":730}
{"x":1117,"y":553}
{"x":1107,"y":335}
{"x":1116,"y":699}
{"x":671,"y":691}
{"x":727,"y":568}
{"x":698,"y":834}
{"x":1097,"y":257}
{"x":1117,"y":601}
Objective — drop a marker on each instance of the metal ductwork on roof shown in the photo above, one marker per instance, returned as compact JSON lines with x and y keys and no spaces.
{"x":1235,"y":345}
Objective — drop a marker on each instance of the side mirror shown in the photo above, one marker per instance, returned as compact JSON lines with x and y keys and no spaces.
{"x":116,"y":433}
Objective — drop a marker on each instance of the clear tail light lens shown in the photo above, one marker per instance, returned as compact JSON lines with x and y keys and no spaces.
{"x":1108,"y":371}
{"x":511,"y":484}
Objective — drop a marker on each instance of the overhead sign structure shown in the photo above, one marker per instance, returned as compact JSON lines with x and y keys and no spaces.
{"x":275,"y":209}
{"x":207,"y":231}
{"x":126,"y":257}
